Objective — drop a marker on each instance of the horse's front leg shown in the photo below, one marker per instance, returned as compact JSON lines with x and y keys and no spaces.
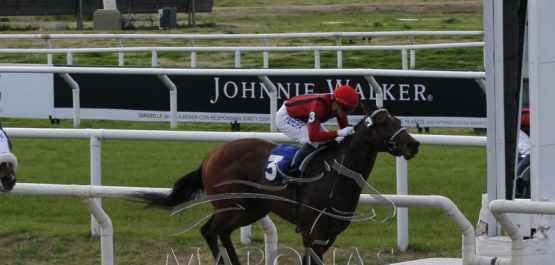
{"x":315,"y":247}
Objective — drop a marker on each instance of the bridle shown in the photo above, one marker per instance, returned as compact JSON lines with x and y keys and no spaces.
{"x":369,"y":120}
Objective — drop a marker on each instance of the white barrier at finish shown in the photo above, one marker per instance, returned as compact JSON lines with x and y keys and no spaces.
{"x":95,"y":135}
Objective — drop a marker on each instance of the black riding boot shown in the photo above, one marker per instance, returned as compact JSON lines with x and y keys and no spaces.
{"x":301,"y":154}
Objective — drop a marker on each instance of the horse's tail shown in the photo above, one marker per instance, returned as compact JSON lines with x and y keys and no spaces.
{"x":187,"y":188}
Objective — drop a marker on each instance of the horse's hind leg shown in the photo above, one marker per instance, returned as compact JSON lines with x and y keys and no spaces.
{"x":225,"y":237}
{"x":210,"y":232}
{"x":223,"y":224}
{"x":210,"y":237}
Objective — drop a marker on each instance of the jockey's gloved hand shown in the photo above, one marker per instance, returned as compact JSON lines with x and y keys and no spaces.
{"x":346,"y":131}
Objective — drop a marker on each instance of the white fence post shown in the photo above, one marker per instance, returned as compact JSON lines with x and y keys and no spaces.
{"x":237,"y":59}
{"x":402,"y":213}
{"x":316,"y":59}
{"x":265,"y":54}
{"x":106,"y":230}
{"x":404,"y":59}
{"x":76,"y":99}
{"x":96,"y":178}
{"x":339,"y":53}
{"x":121,"y":60}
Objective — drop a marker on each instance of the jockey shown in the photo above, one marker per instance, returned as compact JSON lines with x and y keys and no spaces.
{"x":301,"y":119}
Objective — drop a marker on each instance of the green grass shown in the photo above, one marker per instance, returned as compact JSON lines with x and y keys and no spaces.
{"x":283,"y":17}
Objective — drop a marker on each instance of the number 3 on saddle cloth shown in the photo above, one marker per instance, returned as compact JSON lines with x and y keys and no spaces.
{"x":279,"y":161}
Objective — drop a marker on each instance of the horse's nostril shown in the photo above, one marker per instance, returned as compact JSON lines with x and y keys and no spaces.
{"x":6,"y":180}
{"x":414,"y":144}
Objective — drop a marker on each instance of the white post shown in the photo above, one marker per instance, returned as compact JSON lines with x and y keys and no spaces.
{"x":173,"y":99}
{"x":265,"y":54}
{"x":106,"y":230}
{"x":273,"y":101}
{"x":76,"y":99}
{"x":402,"y":213}
{"x":412,"y":53}
{"x":542,"y":120}
{"x":173,"y":108}
{"x":237,"y":59}
{"x":193,"y":54}
{"x":154,"y":60}
{"x":121,"y":63}
{"x":316,"y":59}
{"x":405,"y":59}
{"x":69,"y":58}
{"x":377,"y":89}
{"x":270,"y":237}
{"x":96,"y":178}
{"x":48,"y":46}
{"x":246,"y":235}
{"x":339,"y":54}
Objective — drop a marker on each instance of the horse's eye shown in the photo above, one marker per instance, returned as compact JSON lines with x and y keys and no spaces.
{"x":383,"y":123}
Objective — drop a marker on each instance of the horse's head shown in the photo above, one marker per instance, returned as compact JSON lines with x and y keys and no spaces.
{"x":387,"y":133}
{"x":7,"y":176}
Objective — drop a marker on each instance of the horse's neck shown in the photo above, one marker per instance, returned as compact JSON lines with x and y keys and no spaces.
{"x":358,"y":156}
{"x":350,"y":168}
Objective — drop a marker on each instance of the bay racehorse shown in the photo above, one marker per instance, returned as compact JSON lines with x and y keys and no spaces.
{"x":232,"y":178}
{"x":8,"y":163}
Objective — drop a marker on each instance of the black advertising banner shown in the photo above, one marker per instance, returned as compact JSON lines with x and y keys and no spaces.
{"x":430,"y":102}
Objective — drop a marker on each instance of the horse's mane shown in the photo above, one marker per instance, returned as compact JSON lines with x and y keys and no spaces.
{"x":359,"y":122}
{"x":335,"y":145}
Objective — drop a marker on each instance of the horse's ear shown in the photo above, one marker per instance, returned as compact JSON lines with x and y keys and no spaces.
{"x":364,"y":108}
{"x":368,"y":109}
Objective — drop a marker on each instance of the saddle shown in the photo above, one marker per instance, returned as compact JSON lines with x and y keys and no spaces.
{"x":279,"y":162}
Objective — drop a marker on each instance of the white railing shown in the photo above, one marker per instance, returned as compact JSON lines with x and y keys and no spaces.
{"x":303,"y":35}
{"x":404,"y":49}
{"x":87,"y":192}
{"x":263,"y":37}
{"x":96,"y":135}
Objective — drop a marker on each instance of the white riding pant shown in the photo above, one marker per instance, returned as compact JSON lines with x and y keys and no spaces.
{"x":294,"y":128}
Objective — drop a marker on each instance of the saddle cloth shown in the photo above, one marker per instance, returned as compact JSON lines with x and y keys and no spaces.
{"x":279,"y":161}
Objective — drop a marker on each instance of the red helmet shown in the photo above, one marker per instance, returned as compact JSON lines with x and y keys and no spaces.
{"x":525,"y":120}
{"x":346,"y":95}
